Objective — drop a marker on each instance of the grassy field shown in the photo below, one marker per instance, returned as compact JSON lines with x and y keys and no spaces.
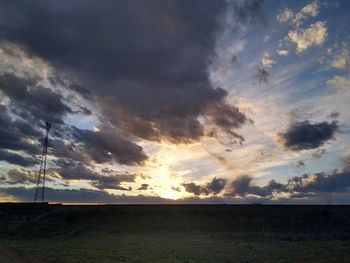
{"x":182,"y":234}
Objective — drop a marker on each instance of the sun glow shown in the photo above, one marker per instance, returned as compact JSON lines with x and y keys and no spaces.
{"x":166,"y":178}
{"x":170,"y":195}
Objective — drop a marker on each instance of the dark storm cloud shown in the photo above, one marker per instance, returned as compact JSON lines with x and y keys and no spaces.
{"x":33,"y":102}
{"x":19,"y":176}
{"x":106,"y":145}
{"x":31,"y":105}
{"x":214,"y":187}
{"x":298,"y":186}
{"x":242,"y":186}
{"x":305,"y":135}
{"x":71,"y":85}
{"x":85,"y":35}
{"x":27,"y":128}
{"x":15,"y":134}
{"x":321,"y":182}
{"x":193,"y":188}
{"x":70,"y":151}
{"x":145,"y":62}
{"x":69,"y":170}
{"x":228,"y":117}
{"x":98,"y":196}
{"x":113,"y":182}
{"x":17,"y":159}
{"x":23,"y":115}
{"x":103,"y":146}
{"x":143,"y":187}
{"x":81,"y":196}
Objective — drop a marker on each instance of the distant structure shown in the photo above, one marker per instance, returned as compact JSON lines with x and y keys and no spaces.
{"x":40,"y":185}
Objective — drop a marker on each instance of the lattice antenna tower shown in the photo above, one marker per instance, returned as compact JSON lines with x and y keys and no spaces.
{"x":40,"y":185}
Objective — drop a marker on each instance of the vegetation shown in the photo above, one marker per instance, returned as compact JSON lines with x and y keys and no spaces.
{"x":182,"y":234}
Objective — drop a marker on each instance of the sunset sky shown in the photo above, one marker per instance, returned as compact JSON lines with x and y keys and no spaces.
{"x":176,"y":101}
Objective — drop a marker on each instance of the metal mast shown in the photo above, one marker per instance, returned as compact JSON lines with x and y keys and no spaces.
{"x":40,"y":185}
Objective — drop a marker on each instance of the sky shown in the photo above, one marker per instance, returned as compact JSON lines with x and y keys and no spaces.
{"x":176,"y":101}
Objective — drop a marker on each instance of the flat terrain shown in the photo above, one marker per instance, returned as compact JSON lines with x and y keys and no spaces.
{"x":188,"y":233}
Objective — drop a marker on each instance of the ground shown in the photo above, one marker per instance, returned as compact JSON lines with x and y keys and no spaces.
{"x":182,"y":234}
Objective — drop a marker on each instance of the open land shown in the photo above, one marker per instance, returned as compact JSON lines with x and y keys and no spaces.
{"x":179,"y":233}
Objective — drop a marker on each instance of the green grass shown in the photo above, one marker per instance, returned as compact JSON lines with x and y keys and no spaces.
{"x":182,"y":234}
{"x":176,"y":248}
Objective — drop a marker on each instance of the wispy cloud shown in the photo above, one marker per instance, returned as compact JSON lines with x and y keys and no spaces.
{"x":340,"y":83}
{"x":285,"y":15}
{"x":342,"y":59}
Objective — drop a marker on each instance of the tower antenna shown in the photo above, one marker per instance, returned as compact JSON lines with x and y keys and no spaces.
{"x":40,"y":185}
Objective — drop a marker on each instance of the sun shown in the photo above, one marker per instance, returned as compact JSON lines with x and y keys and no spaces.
{"x":170,"y":195}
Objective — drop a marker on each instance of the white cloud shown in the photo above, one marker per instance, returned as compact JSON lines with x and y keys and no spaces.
{"x":311,"y":9}
{"x":283,"y":52}
{"x":314,"y":35}
{"x":267,"y":61}
{"x":341,"y":60}
{"x":284,"y":15}
{"x":236,"y":48}
{"x":340,"y":82}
